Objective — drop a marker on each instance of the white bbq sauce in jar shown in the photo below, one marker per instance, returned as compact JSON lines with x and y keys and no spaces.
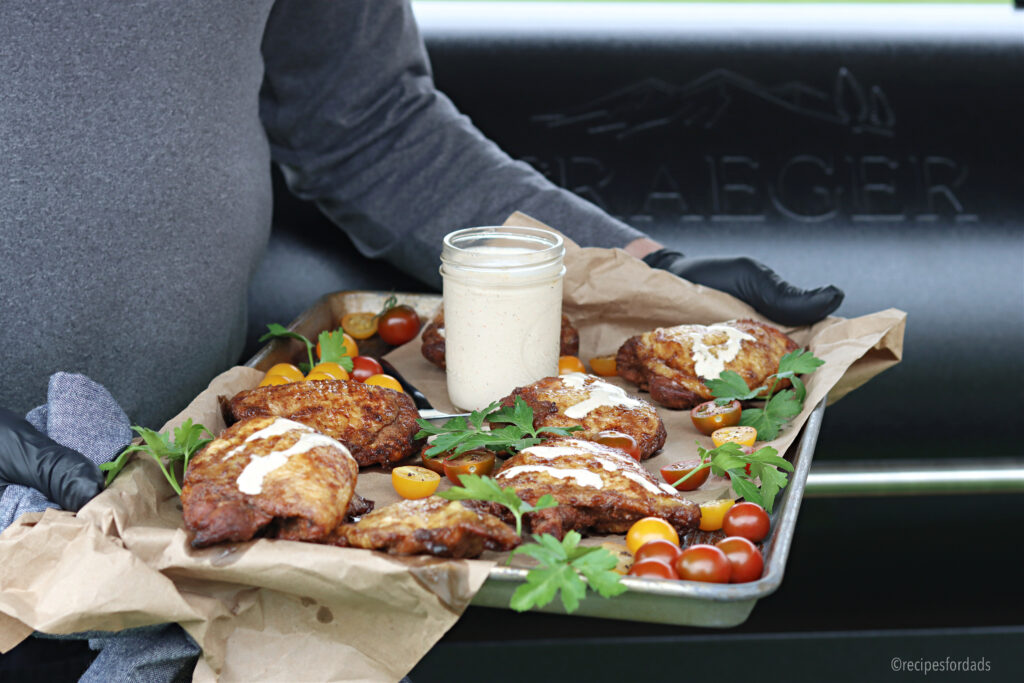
{"x":502,"y":310}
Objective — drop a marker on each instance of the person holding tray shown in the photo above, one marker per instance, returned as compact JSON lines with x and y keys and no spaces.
{"x":136,"y":200}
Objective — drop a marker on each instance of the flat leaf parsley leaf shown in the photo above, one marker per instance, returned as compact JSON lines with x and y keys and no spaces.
{"x":745,"y":470}
{"x":165,"y":449}
{"x":475,"y":487}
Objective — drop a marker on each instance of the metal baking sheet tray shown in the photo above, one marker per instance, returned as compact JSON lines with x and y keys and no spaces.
{"x":661,"y":601}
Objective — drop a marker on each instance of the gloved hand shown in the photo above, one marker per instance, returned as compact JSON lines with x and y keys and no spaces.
{"x":754,"y":283}
{"x":30,"y":458}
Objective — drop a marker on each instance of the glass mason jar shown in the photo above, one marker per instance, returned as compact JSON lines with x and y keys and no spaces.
{"x":502,"y":310}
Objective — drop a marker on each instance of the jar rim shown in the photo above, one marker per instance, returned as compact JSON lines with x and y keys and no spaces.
{"x":490,"y":247}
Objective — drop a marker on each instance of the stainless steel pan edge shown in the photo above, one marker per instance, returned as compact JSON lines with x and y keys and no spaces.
{"x":686,"y":603}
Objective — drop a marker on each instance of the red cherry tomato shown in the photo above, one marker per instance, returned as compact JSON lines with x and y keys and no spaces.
{"x":748,"y":520}
{"x":479,"y":461}
{"x":653,"y":568}
{"x":677,"y":470}
{"x":744,"y":557}
{"x":709,"y":416}
{"x":434,"y":464}
{"x":624,"y":442}
{"x":704,"y":563}
{"x":364,"y":367}
{"x":398,"y":325}
{"x":658,"y":549}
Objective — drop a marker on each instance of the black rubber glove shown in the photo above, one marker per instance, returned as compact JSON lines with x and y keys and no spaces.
{"x":754,"y":283}
{"x":30,"y":458}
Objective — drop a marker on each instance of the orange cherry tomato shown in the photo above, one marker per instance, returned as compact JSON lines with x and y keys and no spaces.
{"x":649,"y":529}
{"x":359,"y":325}
{"x":411,"y":481}
{"x":332,"y":369}
{"x":677,"y":470}
{"x":351,"y":348}
{"x":381,"y":380}
{"x":570,"y":364}
{"x":603,"y":366}
{"x":270,"y":380}
{"x":364,"y":367}
{"x":709,"y":416}
{"x":713,"y":512}
{"x":620,"y":440}
{"x":320,"y":376}
{"x":744,"y":436}
{"x":286,"y":370}
{"x":479,"y":461}
{"x":434,"y":463}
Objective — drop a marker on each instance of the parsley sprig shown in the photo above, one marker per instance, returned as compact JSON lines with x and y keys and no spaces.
{"x":165,"y":449}
{"x":475,"y":487}
{"x":779,"y":408}
{"x":730,"y":460}
{"x":458,"y":435}
{"x":561,"y":564}
{"x":332,"y":345}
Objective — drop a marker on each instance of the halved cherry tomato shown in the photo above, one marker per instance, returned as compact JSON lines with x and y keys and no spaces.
{"x":624,"y":558}
{"x":286,"y":370}
{"x":398,"y":324}
{"x":351,"y":348}
{"x":435,"y":463}
{"x":658,"y":549}
{"x":360,"y":325}
{"x":709,"y":416}
{"x":744,"y":558}
{"x":329,"y":368}
{"x":411,"y":481}
{"x":649,"y":529}
{"x":677,"y":470}
{"x":570,"y":364}
{"x":744,"y":436}
{"x":712,"y":513}
{"x":479,"y":461}
{"x":364,"y":367}
{"x":383,"y":381}
{"x":653,"y":569}
{"x":704,"y":563}
{"x":603,"y":366}
{"x":270,"y":380}
{"x":748,"y":520}
{"x":620,"y":440}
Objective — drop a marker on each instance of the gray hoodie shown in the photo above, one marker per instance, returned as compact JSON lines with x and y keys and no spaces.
{"x":135,"y":148}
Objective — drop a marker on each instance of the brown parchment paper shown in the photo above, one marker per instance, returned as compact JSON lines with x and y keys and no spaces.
{"x":281,"y":610}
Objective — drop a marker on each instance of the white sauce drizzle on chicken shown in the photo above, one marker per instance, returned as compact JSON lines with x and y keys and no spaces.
{"x":250,"y":481}
{"x":582,"y":477}
{"x":601,"y":394}
{"x":709,"y":360}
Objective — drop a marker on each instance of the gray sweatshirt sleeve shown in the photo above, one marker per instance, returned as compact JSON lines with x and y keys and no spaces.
{"x":354,"y":121}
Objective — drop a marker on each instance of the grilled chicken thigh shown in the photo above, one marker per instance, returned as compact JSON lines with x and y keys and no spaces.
{"x":597,"y":487}
{"x":671,"y":362}
{"x":593,"y":404}
{"x":434,"y":343}
{"x":429,"y":525}
{"x":375,"y":423}
{"x":268,"y":475}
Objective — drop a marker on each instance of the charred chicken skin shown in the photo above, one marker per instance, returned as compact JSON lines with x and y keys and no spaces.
{"x":268,"y":476}
{"x":672,"y":362}
{"x":376,"y":424}
{"x":597,"y":487}
{"x":431,"y":525}
{"x":434,"y":344}
{"x":593,"y":404}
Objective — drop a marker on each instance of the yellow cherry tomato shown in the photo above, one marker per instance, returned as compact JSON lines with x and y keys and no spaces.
{"x":603,"y":366}
{"x":360,"y":325}
{"x":649,"y":529}
{"x":713,"y":512}
{"x":351,"y":348}
{"x":411,"y":481}
{"x":570,"y":364}
{"x":286,"y":370}
{"x":744,"y":436}
{"x":318,"y":376}
{"x":274,"y":379}
{"x":332,"y":369}
{"x":383,"y":381}
{"x":623,"y":558}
